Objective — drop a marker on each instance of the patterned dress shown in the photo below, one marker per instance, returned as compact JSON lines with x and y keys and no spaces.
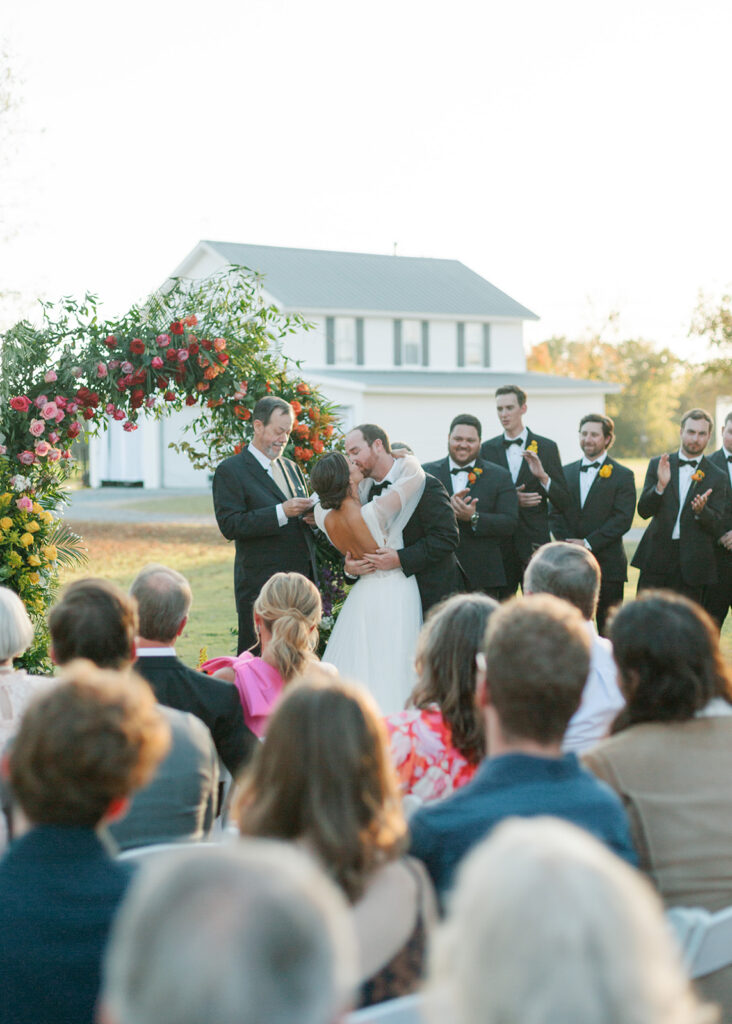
{"x":428,"y":765}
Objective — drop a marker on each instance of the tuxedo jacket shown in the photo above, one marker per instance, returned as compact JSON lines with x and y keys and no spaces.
{"x":245,"y":499}
{"x":603,"y":520}
{"x":724,"y":557}
{"x":214,"y":701}
{"x":479,"y":550}
{"x":533,"y":524}
{"x":430,"y":544}
{"x":698,"y":533}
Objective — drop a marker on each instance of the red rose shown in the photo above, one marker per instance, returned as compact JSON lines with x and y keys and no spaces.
{"x":110,"y":341}
{"x":302,"y":389}
{"x":206,"y":344}
{"x":93,"y":398}
{"x":156,"y":362}
{"x":129,"y":425}
{"x":139,"y":377}
{"x":172,"y":355}
{"x":138,"y":397}
{"x":137,"y":345}
{"x":190,"y":399}
{"x":74,"y":429}
{"x":162,"y":382}
{"x":268,"y":387}
{"x":193,"y":348}
{"x":66,"y":453}
{"x":88,"y":414}
{"x":176,"y":327}
{"x":20,"y":403}
{"x":169,"y":396}
{"x":224,"y":358}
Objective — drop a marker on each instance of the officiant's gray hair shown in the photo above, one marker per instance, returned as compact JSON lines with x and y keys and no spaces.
{"x":164,"y":599}
{"x":266,"y":406}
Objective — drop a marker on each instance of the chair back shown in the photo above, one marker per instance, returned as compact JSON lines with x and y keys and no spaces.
{"x":405,"y":1010}
{"x":705,"y":938}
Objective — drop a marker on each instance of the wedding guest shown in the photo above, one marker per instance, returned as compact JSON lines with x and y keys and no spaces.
{"x":546,"y":925}
{"x":237,"y":935}
{"x":96,"y":620}
{"x":670,"y":756}
{"x":323,"y":779}
{"x":438,"y":742}
{"x":573,"y":573}
{"x":287,"y":613}
{"x":79,"y":753}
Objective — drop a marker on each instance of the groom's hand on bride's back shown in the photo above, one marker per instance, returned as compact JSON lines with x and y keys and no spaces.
{"x":384,"y":558}
{"x":356,"y":566}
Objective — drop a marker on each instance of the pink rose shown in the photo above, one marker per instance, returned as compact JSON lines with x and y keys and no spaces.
{"x":20,"y":403}
{"x":119,"y":414}
{"x":127,"y":368}
{"x":37,"y":427}
{"x":101,"y":370}
{"x":53,"y":437}
{"x":40,"y":401}
{"x":163,"y":340}
{"x":3,"y":450}
{"x":77,"y":371}
{"x":156,"y":362}
{"x":110,"y":407}
{"x":49,"y":410}
{"x":61,"y":402}
{"x":66,"y":453}
{"x":71,"y":408}
{"x":24,"y":504}
{"x":27,"y":458}
{"x":42,"y":448}
{"x":150,"y":401}
{"x":59,"y":415}
{"x":110,"y":341}
{"x":114,"y":364}
{"x":182,"y":354}
{"x":50,"y":377}
{"x":54,"y":454}
{"x":73,"y":431}
{"x":129,"y":426}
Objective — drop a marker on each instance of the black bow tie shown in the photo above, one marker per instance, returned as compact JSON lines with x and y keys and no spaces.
{"x":378,"y":488}
{"x":688,"y":462}
{"x":729,"y":458}
{"x":507,"y":443}
{"x":589,"y":465}
{"x":461,"y":469}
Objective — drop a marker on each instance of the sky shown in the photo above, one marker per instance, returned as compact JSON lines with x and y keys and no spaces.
{"x":574,"y":153}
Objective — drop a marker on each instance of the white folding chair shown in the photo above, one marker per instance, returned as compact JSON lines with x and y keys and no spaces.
{"x":405,"y":1010}
{"x":705,"y":938}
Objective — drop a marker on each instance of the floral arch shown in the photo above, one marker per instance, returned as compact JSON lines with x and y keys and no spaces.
{"x":210,"y":344}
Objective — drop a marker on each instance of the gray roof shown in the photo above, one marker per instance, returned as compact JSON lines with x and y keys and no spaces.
{"x":470,"y":380}
{"x":314,"y":279}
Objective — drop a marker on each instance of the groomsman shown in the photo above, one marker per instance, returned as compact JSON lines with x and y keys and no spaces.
{"x":536,"y":471}
{"x":685,"y":496}
{"x":718,"y":599}
{"x":485,"y":503}
{"x":600,"y":510}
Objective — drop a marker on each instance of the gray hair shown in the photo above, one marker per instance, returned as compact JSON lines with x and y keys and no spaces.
{"x":544,"y":893}
{"x":231,"y":935}
{"x":567,"y":571}
{"x":16,"y":630}
{"x":163,"y":600}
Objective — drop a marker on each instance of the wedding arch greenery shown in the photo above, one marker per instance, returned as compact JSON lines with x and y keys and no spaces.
{"x":212,"y":345}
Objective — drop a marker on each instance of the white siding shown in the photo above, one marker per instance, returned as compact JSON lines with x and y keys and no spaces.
{"x":308,"y":346}
{"x":507,"y":347}
{"x":378,"y":341}
{"x":443,"y":344}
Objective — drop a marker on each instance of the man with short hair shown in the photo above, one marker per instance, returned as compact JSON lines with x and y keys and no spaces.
{"x":484,"y":501}
{"x":718,"y":598}
{"x":572,"y":573}
{"x":260,"y":499}
{"x":247,"y":934}
{"x":685,"y":497}
{"x":164,"y":601}
{"x":96,"y":620}
{"x":431,"y":535}
{"x":600,"y":509}
{"x":536,"y":471}
{"x":81,"y":750}
{"x":532,"y":673}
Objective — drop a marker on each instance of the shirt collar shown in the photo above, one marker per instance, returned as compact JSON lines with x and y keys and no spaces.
{"x":454,"y":465}
{"x":523,"y":435}
{"x":155,"y":652}
{"x":261,"y":458}
{"x":600,"y":459}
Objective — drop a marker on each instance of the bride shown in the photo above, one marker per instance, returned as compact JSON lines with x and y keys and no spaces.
{"x":375,"y":635}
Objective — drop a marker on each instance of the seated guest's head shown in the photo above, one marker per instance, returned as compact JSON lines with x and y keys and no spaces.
{"x":546,"y":925}
{"x":286,"y":618}
{"x":164,"y":600}
{"x":94,"y":619}
{"x":669,"y":661}
{"x":84,"y":746}
{"x":332,"y":478}
{"x":448,"y":643}
{"x":324,"y":775}
{"x":535,"y":663}
{"x":565,"y":570}
{"x":16,"y":631}
{"x":236,"y":935}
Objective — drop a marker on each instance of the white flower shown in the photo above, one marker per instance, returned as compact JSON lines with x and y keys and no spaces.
{"x":19,"y":482}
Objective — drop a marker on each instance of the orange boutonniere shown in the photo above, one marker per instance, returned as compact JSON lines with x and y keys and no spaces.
{"x":699,"y":475}
{"x":473,"y":475}
{"x":533,"y":447}
{"x":605,"y":471}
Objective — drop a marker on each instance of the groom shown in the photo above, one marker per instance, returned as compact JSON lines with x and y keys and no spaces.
{"x":430,"y":537}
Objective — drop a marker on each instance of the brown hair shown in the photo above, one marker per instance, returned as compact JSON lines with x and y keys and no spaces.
{"x":537,"y":659}
{"x":512,"y":389}
{"x":94,"y":619}
{"x":330,"y":478}
{"x":325,"y":775}
{"x":372,"y":433}
{"x":697,"y":414}
{"x":291,"y":608}
{"x":607,"y":424}
{"x":94,"y":738}
{"x":450,"y":638}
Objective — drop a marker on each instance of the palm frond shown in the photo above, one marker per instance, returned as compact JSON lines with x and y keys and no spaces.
{"x":70,"y":547}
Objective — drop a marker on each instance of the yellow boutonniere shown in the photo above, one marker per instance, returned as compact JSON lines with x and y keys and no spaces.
{"x":605,"y":471}
{"x":533,"y":447}
{"x":697,"y":476}
{"x":473,"y":475}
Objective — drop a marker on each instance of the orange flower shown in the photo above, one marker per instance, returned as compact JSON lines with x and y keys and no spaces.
{"x":699,"y":475}
{"x":210,"y":373}
{"x":202,"y":387}
{"x":318,"y":446}
{"x":296,"y":407}
{"x":219,"y":344}
{"x":242,"y":412}
{"x":301,"y":429}
{"x":302,"y":389}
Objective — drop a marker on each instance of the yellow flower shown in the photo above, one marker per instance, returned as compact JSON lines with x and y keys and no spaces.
{"x":33,"y":526}
{"x":34,"y":578}
{"x":37,"y":508}
{"x":605,"y":471}
{"x":14,"y":559}
{"x":34,"y":560}
{"x":50,"y":552}
{"x":45,"y":516}
{"x":533,"y":447}
{"x":202,"y":656}
{"x":26,"y":539}
{"x":6,"y":523}
{"x":5,"y":499}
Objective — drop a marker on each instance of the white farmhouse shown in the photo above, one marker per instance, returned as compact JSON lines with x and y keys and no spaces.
{"x":406,"y":342}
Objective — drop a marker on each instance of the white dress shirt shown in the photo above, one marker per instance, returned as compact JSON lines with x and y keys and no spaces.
{"x":601,"y":698}
{"x":587,"y":478}
{"x":513,"y":453}
{"x":729,"y":464}
{"x":460,"y":480}
{"x":266,"y":465}
{"x":685,"y":475}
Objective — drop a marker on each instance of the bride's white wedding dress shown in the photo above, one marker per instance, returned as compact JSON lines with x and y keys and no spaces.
{"x":375,"y":636}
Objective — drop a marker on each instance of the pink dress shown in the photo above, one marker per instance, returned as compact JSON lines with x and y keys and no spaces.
{"x":428,"y":765}
{"x":259,"y":686}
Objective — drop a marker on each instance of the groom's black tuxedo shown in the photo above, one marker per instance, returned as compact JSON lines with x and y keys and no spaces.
{"x":245,"y":499}
{"x":479,"y":550}
{"x":718,"y":598}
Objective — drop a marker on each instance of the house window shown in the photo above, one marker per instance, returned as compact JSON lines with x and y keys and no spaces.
{"x":474,"y":345}
{"x":411,"y":343}
{"x":344,"y":341}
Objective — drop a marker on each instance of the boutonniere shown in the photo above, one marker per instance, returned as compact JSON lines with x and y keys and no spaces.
{"x":533,"y":447}
{"x":605,"y":471}
{"x":699,"y":475}
{"x":473,"y":475}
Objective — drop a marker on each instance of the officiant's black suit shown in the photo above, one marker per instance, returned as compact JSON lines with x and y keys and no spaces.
{"x":245,"y":500}
{"x":430,"y":543}
{"x":479,"y":550}
{"x":602,"y":521}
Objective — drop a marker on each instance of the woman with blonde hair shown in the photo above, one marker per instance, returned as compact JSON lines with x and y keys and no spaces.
{"x":324,"y":780}
{"x":286,"y":617}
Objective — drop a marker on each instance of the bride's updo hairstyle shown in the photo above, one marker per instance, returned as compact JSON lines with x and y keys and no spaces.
{"x":330,"y":478}
{"x":289,"y":605}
